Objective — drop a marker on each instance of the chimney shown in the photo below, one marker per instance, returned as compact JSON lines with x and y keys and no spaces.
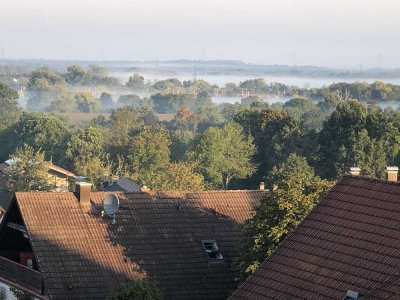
{"x":356,"y":171}
{"x":392,"y":173}
{"x":83,"y":192}
{"x":106,"y":180}
{"x":262,"y":186}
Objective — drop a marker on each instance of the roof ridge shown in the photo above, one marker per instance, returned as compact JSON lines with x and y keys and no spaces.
{"x":367,"y":178}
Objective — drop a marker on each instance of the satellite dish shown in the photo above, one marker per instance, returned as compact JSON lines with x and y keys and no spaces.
{"x":110,"y":206}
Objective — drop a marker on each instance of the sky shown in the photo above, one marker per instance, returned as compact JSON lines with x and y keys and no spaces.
{"x":332,"y":33}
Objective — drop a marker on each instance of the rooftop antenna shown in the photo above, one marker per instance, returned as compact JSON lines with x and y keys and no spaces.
{"x":110,"y":206}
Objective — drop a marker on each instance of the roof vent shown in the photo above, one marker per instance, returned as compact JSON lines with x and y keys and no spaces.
{"x":110,"y":206}
{"x":351,"y":295}
{"x":356,"y":171}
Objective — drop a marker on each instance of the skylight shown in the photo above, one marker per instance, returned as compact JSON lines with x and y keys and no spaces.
{"x":212,"y":250}
{"x":351,"y":295}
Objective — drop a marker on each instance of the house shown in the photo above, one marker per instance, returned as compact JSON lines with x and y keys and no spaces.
{"x":348,"y":247}
{"x":57,"y":176}
{"x":123,"y":184}
{"x":61,"y":245}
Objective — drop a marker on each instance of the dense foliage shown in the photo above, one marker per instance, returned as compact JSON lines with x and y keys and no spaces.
{"x":27,"y":171}
{"x":136,"y":290}
{"x":169,"y":135}
{"x":294,"y":191}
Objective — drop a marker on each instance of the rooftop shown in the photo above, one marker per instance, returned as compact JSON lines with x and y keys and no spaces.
{"x":159,"y":234}
{"x":350,"y":241}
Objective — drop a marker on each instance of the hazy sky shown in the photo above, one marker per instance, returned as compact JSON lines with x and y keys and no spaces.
{"x":350,"y":33}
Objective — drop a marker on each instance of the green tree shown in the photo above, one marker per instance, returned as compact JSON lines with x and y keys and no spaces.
{"x":10,"y":111}
{"x":171,"y":103}
{"x":39,"y":131}
{"x":106,"y":102}
{"x":167,"y":84}
{"x":136,"y":82}
{"x":86,"y":102}
{"x":43,"y":79}
{"x":149,"y":152}
{"x":223,"y":154}
{"x":62,"y":104}
{"x":123,"y":120}
{"x":276,"y":136}
{"x":179,"y":176}
{"x":76,"y":75}
{"x":357,"y":135}
{"x":136,"y":290}
{"x":28,"y":171}
{"x":86,"y":146}
{"x":130,"y":100}
{"x":294,"y":191}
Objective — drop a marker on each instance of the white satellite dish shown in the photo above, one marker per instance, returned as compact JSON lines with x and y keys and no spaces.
{"x":110,"y":206}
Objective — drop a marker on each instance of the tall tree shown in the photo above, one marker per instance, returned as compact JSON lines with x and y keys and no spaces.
{"x":149,"y":152}
{"x":39,"y":131}
{"x":28,"y":171}
{"x":276,"y":135}
{"x":179,"y":176}
{"x":294,"y":191}
{"x":223,"y":154}
{"x":86,"y":102}
{"x":85,"y":147}
{"x":10,"y":111}
{"x":136,"y":82}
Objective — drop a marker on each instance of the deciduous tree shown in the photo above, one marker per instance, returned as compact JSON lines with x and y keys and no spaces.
{"x":294,"y":191}
{"x":223,"y":154}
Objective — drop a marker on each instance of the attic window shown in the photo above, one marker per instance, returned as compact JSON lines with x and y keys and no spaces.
{"x":212,"y":250}
{"x":351,"y":295}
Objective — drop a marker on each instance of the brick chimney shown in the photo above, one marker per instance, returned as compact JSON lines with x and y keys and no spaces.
{"x":83,"y":190}
{"x":262,"y":186}
{"x":356,"y":171}
{"x":392,"y":173}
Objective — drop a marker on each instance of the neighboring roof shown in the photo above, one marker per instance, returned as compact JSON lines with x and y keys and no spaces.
{"x":51,"y":167}
{"x":61,"y":170}
{"x":82,"y":255}
{"x":350,"y":241}
{"x":123,"y":184}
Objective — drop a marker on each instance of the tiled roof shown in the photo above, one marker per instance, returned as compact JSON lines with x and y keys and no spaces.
{"x":123,"y":185}
{"x":61,"y":170}
{"x":51,"y":166}
{"x":350,"y":241}
{"x":82,"y":255}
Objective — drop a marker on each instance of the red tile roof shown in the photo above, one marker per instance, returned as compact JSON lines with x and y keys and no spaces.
{"x":350,"y":241}
{"x":82,"y":255}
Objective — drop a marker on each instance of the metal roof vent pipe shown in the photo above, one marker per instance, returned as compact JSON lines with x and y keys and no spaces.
{"x":392,"y":173}
{"x":355,"y":171}
{"x":262,"y":186}
{"x":83,"y":190}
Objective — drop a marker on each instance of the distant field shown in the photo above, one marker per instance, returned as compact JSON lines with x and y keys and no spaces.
{"x":84,"y":118}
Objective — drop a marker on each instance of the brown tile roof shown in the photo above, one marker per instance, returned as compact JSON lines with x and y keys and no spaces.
{"x":82,"y":255}
{"x":61,"y":170}
{"x":350,"y":241}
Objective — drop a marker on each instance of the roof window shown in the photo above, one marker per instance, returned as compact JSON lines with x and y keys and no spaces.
{"x":351,"y":295}
{"x":212,"y":250}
